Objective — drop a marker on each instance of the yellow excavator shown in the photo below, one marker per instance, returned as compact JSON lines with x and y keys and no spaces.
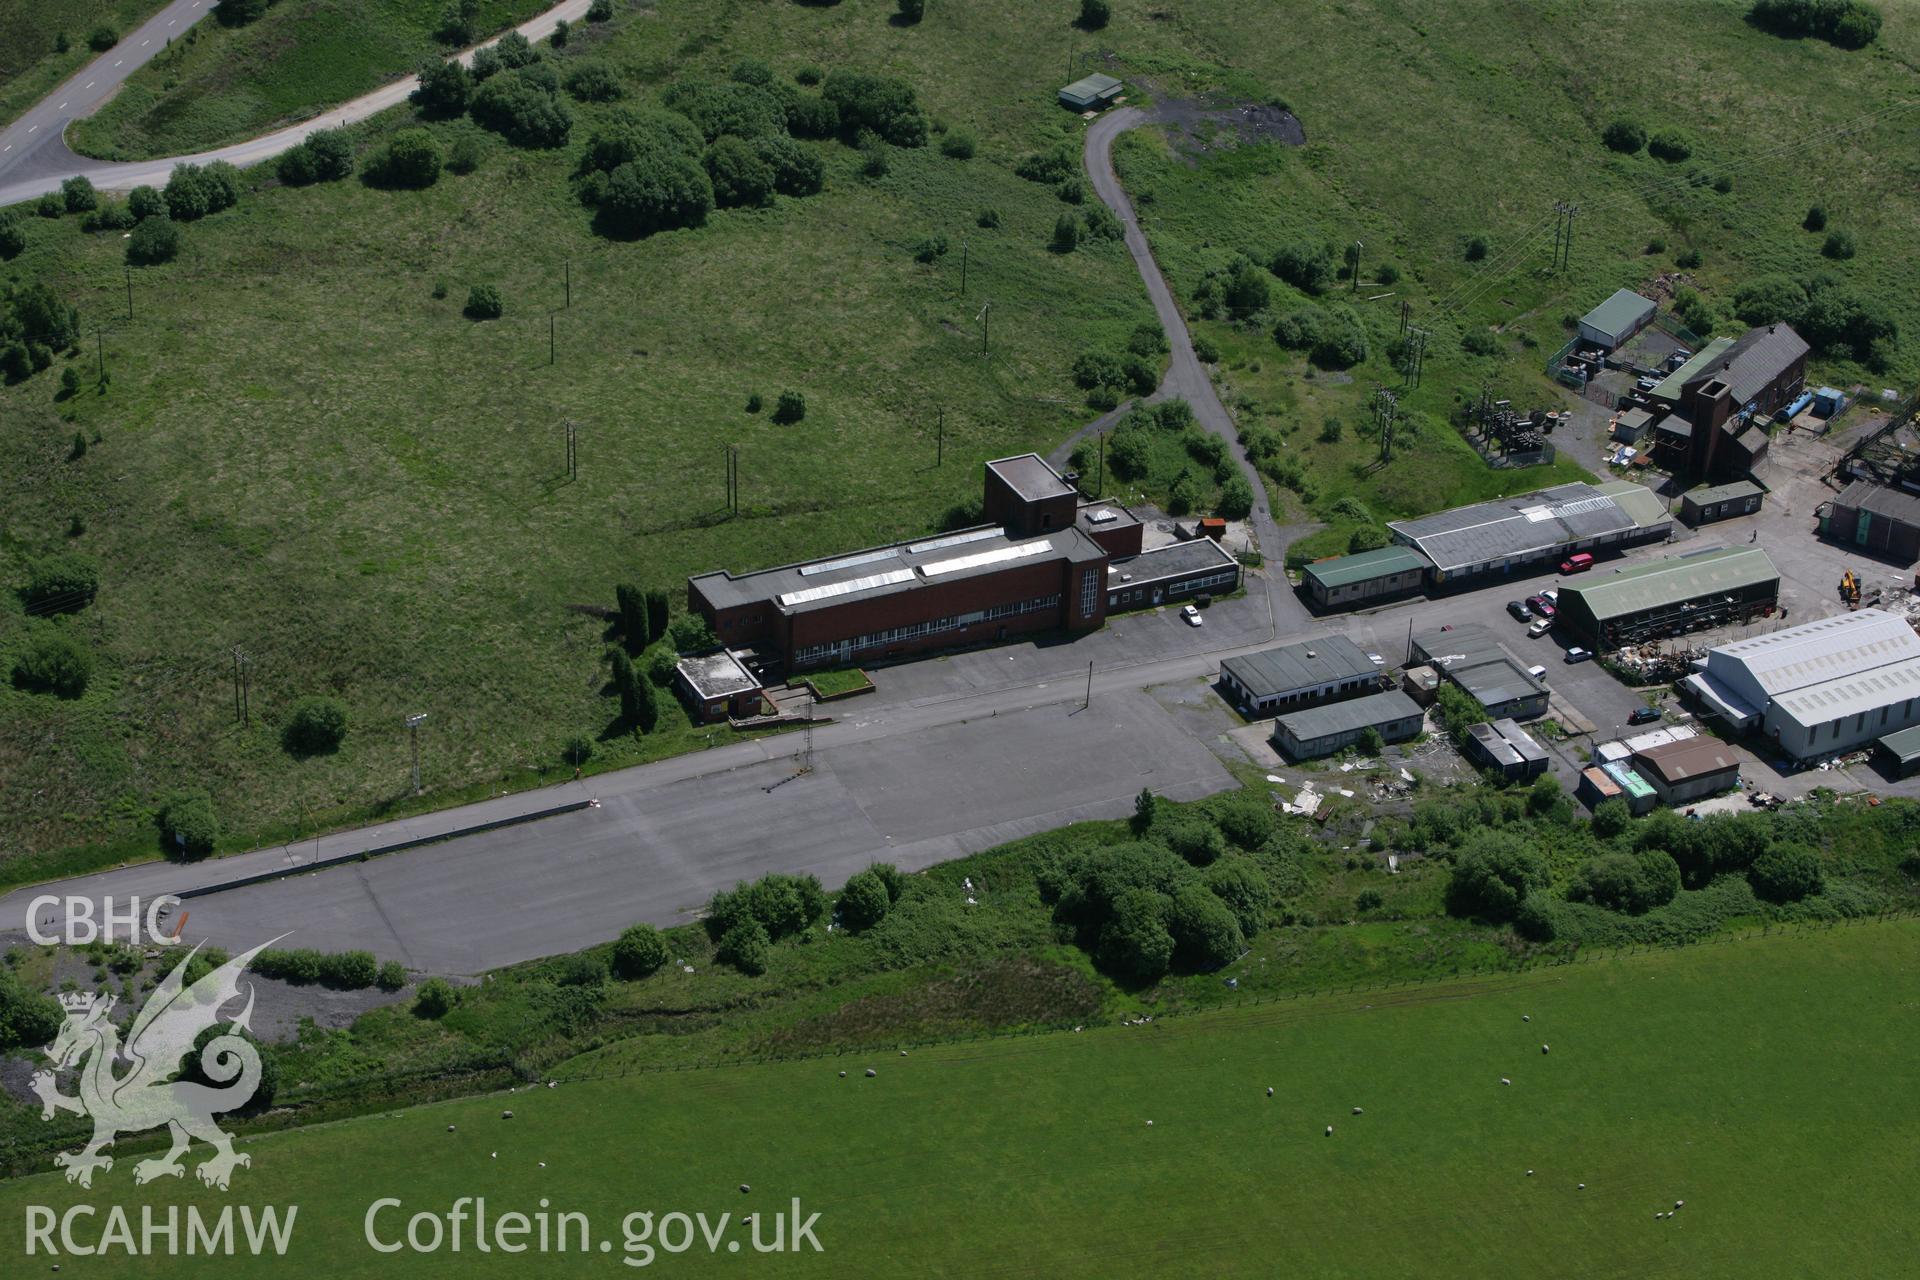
{"x":1850,"y":589}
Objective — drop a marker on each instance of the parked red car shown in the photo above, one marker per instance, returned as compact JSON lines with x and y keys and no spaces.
{"x":1578,"y":562}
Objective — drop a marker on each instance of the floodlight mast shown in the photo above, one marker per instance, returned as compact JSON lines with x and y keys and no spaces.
{"x":413,"y":725}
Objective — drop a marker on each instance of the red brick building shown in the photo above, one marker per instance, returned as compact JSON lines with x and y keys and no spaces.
{"x":1046,"y":563}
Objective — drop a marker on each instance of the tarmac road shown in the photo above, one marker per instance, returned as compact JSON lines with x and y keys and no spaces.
{"x":34,"y":158}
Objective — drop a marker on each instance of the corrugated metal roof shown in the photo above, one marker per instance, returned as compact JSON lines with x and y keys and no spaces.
{"x":1621,"y":312}
{"x":1673,"y":580}
{"x":1638,"y":501}
{"x":1343,"y":717}
{"x":1753,"y":360}
{"x":1092,"y":86}
{"x":1505,"y":528}
{"x":1305,"y":664}
{"x":1691,"y":758}
{"x":1363,"y":566}
{"x":1852,"y":695}
{"x":1829,"y":649}
{"x":1905,"y":744}
{"x":1669,"y":387}
{"x":1863,"y":495}
{"x":1707,"y":495}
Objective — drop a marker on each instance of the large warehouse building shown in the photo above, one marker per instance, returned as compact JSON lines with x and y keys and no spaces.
{"x":1050,"y":561}
{"x":1670,"y":597}
{"x":1507,"y":534}
{"x":1290,"y":676}
{"x":1818,"y":689}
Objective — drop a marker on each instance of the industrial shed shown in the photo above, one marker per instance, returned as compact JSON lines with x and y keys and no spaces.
{"x":717,"y":685}
{"x":1617,"y":319}
{"x":1819,"y":689}
{"x":1688,"y":770}
{"x":1483,"y":668}
{"x":1321,"y":731}
{"x":1176,"y":571}
{"x":1880,"y":521}
{"x":1670,"y":597}
{"x":1381,"y":574}
{"x":1296,"y":675}
{"x":1508,"y":534}
{"x":1720,"y":502}
{"x":1503,"y":746}
{"x":1902,"y":751}
{"x":1091,"y":92}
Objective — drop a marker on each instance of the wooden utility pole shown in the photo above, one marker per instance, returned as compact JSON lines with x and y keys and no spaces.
{"x":983,"y":325}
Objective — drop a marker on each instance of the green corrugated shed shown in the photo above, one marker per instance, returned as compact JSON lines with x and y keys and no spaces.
{"x":1669,"y":388}
{"x":1620,"y":315}
{"x":1364,"y":566}
{"x":1649,"y":586}
{"x":1708,"y":495}
{"x":1638,"y":501}
{"x":1905,"y":745}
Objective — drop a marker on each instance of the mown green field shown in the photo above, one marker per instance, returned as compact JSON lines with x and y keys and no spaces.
{"x":226,"y":84}
{"x":31,"y":63}
{"x":1763,"y":1082}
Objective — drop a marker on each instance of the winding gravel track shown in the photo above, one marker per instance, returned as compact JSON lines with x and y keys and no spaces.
{"x":35,"y":159}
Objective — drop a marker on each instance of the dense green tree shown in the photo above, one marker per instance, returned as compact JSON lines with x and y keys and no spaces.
{"x":1307,"y":267}
{"x":1095,"y":14}
{"x":594,"y":82}
{"x":791,"y":407}
{"x":864,"y":901}
{"x":1494,"y":871}
{"x":189,"y":828}
{"x":316,"y":726}
{"x":55,"y":661}
{"x":518,"y":108}
{"x":483,"y":303}
{"x":740,"y":177}
{"x":78,"y":195}
{"x":1626,"y":136}
{"x":434,"y":999}
{"x":884,"y":104}
{"x":411,"y":158}
{"x":1238,"y":881}
{"x":1204,"y":931}
{"x":13,"y":236}
{"x":1135,"y":944}
{"x":639,"y":951}
{"x":445,"y":88}
{"x":745,"y":947}
{"x":28,"y":1018}
{"x":630,"y":607}
{"x":797,"y":171}
{"x":1786,"y":873}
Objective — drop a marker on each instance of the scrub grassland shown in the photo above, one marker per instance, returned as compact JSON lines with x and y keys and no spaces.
{"x":305,"y":451}
{"x":221,"y":84}
{"x":1346,"y":1133}
{"x":32,"y":57}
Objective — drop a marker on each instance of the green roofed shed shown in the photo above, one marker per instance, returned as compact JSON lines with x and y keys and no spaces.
{"x":1670,"y":597}
{"x":1345,"y":581}
{"x":1091,"y":92}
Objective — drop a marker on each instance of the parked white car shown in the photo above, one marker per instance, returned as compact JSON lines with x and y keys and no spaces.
{"x":1541,"y":627}
{"x":1192,"y":615}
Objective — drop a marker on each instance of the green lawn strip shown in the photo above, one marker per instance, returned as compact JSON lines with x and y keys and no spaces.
{"x":1731,"y":1077}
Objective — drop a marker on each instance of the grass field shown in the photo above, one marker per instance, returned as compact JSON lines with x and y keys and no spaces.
{"x":305,"y":453}
{"x":1762,"y":1082}
{"x":226,"y":84}
{"x":31,"y":63}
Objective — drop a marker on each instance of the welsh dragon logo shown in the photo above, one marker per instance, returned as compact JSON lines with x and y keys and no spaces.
{"x":147,"y":1096}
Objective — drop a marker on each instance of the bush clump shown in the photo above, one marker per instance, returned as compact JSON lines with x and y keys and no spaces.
{"x":154,"y":240}
{"x":53,"y":661}
{"x":61,"y":583}
{"x":524,"y":109}
{"x":434,"y":999}
{"x":1850,"y":24}
{"x":638,"y":952}
{"x":483,"y":303}
{"x":1625,"y":136}
{"x":1786,"y":873}
{"x":325,"y":156}
{"x":741,"y":177}
{"x":790,"y":408}
{"x":884,"y":104}
{"x":194,"y":192}
{"x":189,"y":829}
{"x":643,"y":170}
{"x":864,"y":901}
{"x":745,"y":947}
{"x":317,"y":726}
{"x":410,"y":159}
